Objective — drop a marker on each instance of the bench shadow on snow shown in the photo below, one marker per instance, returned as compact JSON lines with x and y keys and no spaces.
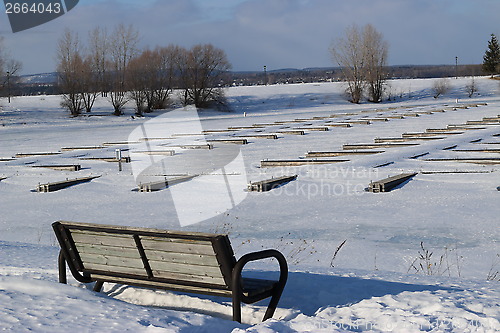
{"x":305,"y":293}
{"x":308,"y":292}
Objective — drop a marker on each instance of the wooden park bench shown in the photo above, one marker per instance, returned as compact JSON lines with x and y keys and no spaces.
{"x":190,"y":262}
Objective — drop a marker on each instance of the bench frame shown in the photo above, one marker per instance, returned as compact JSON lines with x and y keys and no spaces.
{"x":231,"y":270}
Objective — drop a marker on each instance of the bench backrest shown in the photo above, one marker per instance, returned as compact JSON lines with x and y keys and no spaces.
{"x":187,"y":261}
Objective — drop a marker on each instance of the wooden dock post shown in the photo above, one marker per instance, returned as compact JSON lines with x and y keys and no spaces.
{"x":292,"y":132}
{"x":82,"y":148}
{"x":388,"y":184}
{"x":61,"y":167}
{"x":376,"y":145}
{"x":481,"y":161}
{"x":125,"y":159}
{"x":260,"y":136}
{"x":56,"y":186}
{"x":299,"y":162}
{"x":269,"y":184}
{"x":235,"y":141}
{"x":312,"y":154}
{"x":311,"y":128}
{"x":156,"y":152}
{"x":163,"y":184}
{"x":36,"y":154}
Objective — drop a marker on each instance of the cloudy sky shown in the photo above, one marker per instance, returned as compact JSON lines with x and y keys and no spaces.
{"x":275,"y":33}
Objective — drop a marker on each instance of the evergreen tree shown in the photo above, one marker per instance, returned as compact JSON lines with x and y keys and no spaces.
{"x":491,"y":59}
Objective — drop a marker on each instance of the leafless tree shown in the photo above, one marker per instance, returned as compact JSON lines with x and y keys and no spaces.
{"x":471,"y":87}
{"x":8,"y":68}
{"x":123,"y":47}
{"x":70,"y":69}
{"x":202,"y":70}
{"x":168,"y":58}
{"x":90,"y":84}
{"x":140,"y":76}
{"x":441,"y":87}
{"x":348,"y":53}
{"x":98,"y":52}
{"x":376,"y":50}
{"x":362,"y":56}
{"x":151,"y":77}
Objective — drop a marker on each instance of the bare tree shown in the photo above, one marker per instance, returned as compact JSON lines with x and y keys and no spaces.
{"x":348,"y":53}
{"x":98,"y":49}
{"x":140,"y":77}
{"x":89,"y":81}
{"x":151,"y":77}
{"x":471,"y":87}
{"x":202,"y":70}
{"x":441,"y":87}
{"x":70,"y":69}
{"x":8,"y":69}
{"x":375,"y":49}
{"x":123,"y":47}
{"x":362,"y":56}
{"x":168,"y":58}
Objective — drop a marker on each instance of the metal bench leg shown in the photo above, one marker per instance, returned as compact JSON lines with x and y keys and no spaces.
{"x":236,"y":306}
{"x":278,"y":290}
{"x":272,"y":306}
{"x":62,"y":268}
{"x":98,"y":286}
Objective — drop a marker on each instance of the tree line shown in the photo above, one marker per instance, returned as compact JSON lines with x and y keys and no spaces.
{"x":112,"y":65}
{"x":362,"y":57}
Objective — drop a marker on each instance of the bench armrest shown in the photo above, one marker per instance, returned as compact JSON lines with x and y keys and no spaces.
{"x":236,"y":281}
{"x":254,"y":256}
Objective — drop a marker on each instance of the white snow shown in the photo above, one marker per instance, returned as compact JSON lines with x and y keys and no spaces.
{"x":375,"y":283}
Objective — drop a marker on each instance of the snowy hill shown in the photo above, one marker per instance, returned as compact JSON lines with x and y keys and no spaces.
{"x":42,"y":78}
{"x":382,"y":279}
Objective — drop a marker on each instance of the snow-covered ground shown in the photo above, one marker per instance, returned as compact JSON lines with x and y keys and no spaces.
{"x":376,"y":282}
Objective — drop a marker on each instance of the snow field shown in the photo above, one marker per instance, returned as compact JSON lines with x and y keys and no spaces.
{"x":371,"y":286}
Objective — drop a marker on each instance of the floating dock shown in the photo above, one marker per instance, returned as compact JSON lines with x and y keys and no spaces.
{"x":60,"y":167}
{"x":313,"y":154}
{"x":269,"y":184}
{"x":56,"y":186}
{"x":388,"y":184}
{"x":163,"y":184}
{"x":299,"y":162}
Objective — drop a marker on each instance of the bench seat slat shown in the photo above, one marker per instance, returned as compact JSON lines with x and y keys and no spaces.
{"x":156,"y":244}
{"x":104,"y":239}
{"x":189,"y":277}
{"x":170,"y":239}
{"x":107,"y":250}
{"x":112,"y":261}
{"x":161,"y":237}
{"x":257,"y":286}
{"x":213,"y":271}
{"x":156,"y":273}
{"x":136,"y":265}
{"x":164,"y":285}
{"x":122,"y":230}
{"x":116,"y":269}
{"x":185,"y":258}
